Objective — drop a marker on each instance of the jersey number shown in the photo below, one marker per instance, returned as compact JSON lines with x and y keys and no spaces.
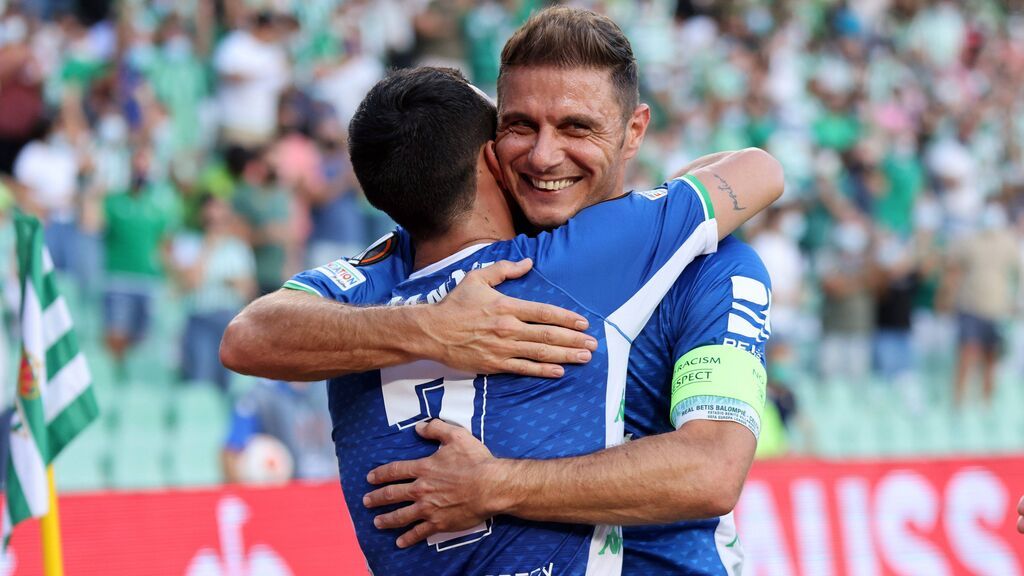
{"x":423,"y":390}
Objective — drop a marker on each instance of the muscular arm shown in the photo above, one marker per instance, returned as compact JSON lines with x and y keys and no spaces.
{"x":298,"y":336}
{"x":694,"y":472}
{"x":292,"y":335}
{"x":740,"y":184}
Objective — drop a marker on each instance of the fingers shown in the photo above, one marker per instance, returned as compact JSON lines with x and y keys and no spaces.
{"x":417,"y":534}
{"x":503,"y":270}
{"x":438,"y":430}
{"x":537,"y":313}
{"x":394,"y":472}
{"x":532,"y":369}
{"x":390,"y":494}
{"x":556,"y":337}
{"x":398,"y":518}
{"x":552,"y":354}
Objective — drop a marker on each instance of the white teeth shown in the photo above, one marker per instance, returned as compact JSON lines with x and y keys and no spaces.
{"x":553,"y":185}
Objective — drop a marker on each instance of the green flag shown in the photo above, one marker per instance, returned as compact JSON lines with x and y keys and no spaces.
{"x":55,"y":400}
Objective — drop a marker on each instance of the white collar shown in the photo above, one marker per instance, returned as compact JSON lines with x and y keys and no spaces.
{"x":445,"y":262}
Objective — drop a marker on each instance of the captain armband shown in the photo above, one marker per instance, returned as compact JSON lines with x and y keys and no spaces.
{"x":718,"y":382}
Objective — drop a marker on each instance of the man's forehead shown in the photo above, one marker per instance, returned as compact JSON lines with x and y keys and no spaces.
{"x":556,"y":93}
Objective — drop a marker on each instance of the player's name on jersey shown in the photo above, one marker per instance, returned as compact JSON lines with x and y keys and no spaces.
{"x":438,"y":294}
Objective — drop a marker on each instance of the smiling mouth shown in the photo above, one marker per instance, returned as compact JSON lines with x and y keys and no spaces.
{"x":549,"y":185}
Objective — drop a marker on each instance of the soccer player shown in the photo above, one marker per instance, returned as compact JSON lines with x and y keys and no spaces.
{"x":569,"y":122}
{"x":457,"y":216}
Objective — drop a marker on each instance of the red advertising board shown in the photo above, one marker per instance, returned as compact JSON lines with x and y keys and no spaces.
{"x":927,"y":517}
{"x":809,"y":518}
{"x":293,"y":530}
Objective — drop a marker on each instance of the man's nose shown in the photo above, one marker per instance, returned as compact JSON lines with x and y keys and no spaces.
{"x":547,"y":152}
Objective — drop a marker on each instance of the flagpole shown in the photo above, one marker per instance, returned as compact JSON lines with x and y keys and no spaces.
{"x":49,"y":527}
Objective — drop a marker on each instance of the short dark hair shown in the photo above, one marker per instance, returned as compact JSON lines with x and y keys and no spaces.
{"x":567,"y":37}
{"x":414,"y":143}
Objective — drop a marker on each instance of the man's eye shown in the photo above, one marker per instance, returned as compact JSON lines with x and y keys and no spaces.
{"x":520,"y":127}
{"x":577,"y":129}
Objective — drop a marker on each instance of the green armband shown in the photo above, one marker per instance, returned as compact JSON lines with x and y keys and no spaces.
{"x":719,"y":382}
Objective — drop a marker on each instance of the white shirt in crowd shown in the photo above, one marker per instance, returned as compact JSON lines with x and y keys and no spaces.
{"x":49,"y":169}
{"x":249,"y":106}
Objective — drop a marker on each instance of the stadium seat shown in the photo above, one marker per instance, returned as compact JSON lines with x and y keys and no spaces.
{"x":81,"y":465}
{"x":200,"y":426}
{"x":139,"y":461}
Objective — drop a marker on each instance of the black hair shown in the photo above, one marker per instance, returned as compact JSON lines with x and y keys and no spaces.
{"x":414,"y":143}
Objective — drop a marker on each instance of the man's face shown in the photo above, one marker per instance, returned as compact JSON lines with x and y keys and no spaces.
{"x":562,"y":140}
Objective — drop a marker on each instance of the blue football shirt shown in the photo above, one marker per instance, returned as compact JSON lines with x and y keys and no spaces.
{"x":613,"y":263}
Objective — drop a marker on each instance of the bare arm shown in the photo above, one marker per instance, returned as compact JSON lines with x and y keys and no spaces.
{"x":694,"y":472}
{"x":740,"y":183}
{"x":298,"y":336}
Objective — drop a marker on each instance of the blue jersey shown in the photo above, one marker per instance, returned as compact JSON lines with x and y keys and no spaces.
{"x":616,"y":280}
{"x":720,"y":299}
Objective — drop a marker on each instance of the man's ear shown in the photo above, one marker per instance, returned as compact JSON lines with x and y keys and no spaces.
{"x":491,"y":158}
{"x":636,"y":127}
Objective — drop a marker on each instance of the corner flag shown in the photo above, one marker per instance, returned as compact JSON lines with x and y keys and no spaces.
{"x":55,"y":400}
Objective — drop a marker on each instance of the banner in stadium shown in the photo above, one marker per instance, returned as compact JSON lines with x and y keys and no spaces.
{"x":796,"y":517}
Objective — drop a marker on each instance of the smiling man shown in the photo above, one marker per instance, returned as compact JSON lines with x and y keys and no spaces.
{"x":569,"y":120}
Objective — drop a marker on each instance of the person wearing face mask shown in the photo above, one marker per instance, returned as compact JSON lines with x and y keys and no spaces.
{"x":179,"y":81}
{"x":265,"y":208}
{"x":847,"y":310}
{"x":135,"y":240}
{"x":982,"y":275}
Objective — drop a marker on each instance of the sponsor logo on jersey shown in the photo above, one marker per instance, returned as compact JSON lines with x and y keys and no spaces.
{"x":342,"y":273}
{"x":654,"y":194}
{"x":749,"y":323}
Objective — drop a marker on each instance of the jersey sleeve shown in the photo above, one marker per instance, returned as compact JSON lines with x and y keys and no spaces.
{"x":607,"y":252}
{"x":719,"y":323}
{"x":364,"y":279}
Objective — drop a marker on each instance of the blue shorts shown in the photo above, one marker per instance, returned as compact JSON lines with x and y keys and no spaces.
{"x":127,"y":309}
{"x":979,"y":331}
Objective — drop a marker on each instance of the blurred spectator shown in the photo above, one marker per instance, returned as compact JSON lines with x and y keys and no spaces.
{"x":265,"y":207}
{"x":339,"y":224}
{"x":135,"y":236}
{"x":253,"y":70}
{"x":295,"y":413}
{"x":847,"y":311}
{"x":438,"y":41}
{"x":21,"y":80}
{"x":897,"y":283}
{"x":216,"y":272}
{"x":983,"y":273}
{"x":48,"y":169}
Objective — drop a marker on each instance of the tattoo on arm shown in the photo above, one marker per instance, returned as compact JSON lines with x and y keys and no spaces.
{"x":725,"y":187}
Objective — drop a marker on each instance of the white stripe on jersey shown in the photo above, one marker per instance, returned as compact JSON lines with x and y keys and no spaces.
{"x":621,"y":328}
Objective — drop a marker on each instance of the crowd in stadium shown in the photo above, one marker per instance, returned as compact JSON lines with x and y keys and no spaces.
{"x":198,"y":150}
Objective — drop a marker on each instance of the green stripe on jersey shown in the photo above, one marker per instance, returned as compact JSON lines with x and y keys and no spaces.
{"x":703,"y":192}
{"x":293,"y":285}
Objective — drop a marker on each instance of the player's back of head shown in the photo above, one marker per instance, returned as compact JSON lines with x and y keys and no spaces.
{"x":568,"y":37}
{"x":414,"y":143}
